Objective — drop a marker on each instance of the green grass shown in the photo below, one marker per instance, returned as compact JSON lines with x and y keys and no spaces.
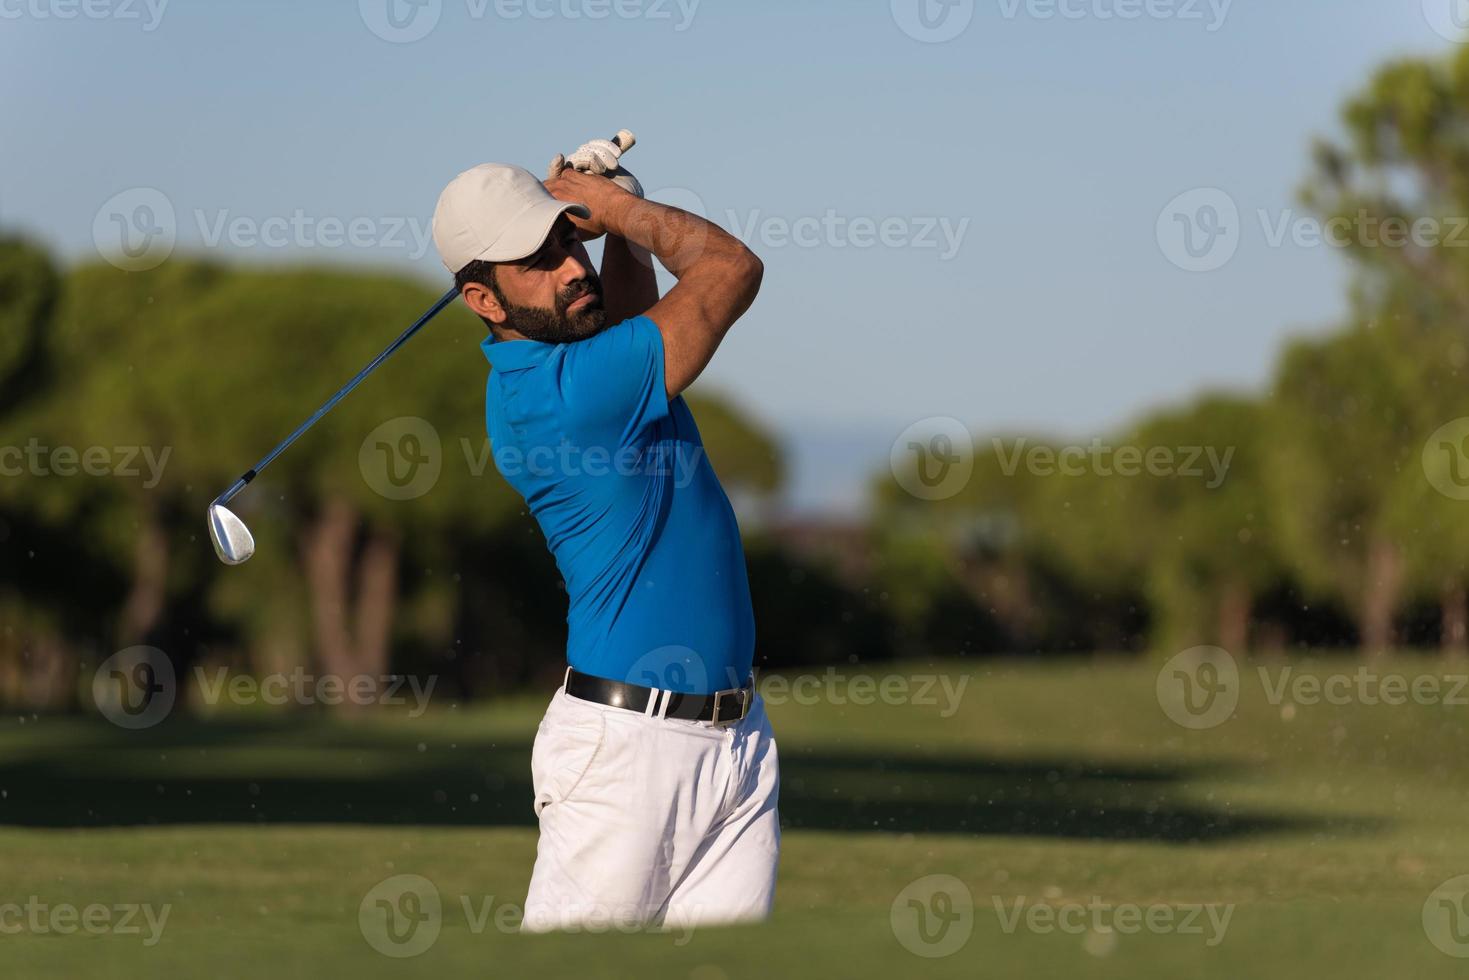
{"x":1324,"y":827}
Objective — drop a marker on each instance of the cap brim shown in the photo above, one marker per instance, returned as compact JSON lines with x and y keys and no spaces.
{"x":528,"y":232}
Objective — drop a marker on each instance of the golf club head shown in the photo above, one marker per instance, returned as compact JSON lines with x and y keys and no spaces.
{"x":232,"y":540}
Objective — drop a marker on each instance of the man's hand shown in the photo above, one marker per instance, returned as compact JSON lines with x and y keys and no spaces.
{"x":602,"y":158}
{"x":600,"y":195}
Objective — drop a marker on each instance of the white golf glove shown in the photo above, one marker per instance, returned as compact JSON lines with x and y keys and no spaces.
{"x":603,"y":158}
{"x":596,"y":157}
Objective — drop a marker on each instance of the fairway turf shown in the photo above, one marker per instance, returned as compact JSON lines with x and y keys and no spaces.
{"x":1325,"y":828}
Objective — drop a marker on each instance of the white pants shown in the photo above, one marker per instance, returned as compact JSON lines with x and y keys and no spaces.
{"x":651,"y":822}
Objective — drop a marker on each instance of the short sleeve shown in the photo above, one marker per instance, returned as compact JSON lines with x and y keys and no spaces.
{"x":612,"y":384}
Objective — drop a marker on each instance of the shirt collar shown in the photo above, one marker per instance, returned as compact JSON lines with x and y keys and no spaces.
{"x":513,"y":355}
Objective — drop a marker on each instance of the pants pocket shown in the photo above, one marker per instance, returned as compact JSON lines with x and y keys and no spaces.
{"x":566,"y":746}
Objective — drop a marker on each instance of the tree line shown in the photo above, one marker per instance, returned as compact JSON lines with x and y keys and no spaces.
{"x":1341,"y":516}
{"x":1327,"y":510}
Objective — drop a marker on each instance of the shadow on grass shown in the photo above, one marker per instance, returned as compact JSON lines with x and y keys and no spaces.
{"x":72,"y":772}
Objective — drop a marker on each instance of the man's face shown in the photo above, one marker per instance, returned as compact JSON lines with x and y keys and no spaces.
{"x":553,"y":296}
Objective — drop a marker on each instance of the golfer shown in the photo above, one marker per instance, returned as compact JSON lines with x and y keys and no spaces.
{"x":655,"y":769}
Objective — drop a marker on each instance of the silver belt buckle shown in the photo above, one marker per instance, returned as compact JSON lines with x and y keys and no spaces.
{"x":746,"y":695}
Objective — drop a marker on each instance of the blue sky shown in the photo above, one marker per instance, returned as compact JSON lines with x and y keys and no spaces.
{"x":968,"y":228}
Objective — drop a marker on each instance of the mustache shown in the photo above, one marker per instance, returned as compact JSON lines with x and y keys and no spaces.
{"x":577,"y":290}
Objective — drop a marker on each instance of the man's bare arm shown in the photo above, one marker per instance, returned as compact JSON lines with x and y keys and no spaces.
{"x":718,"y":277}
{"x":629,"y":282}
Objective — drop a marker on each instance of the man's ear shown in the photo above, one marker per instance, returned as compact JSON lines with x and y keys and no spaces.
{"x":482,"y":300}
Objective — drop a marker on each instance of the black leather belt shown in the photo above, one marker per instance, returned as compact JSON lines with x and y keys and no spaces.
{"x":721,"y":707}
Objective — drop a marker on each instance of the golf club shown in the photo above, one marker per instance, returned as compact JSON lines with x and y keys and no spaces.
{"x":232,"y":539}
{"x":233,"y":542}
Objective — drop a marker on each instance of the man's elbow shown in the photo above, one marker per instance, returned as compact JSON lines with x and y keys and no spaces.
{"x":749,"y":272}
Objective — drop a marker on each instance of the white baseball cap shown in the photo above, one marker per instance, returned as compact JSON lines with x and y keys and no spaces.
{"x":495,"y":213}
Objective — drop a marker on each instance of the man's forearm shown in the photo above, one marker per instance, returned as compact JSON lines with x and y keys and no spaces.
{"x":629,"y":281}
{"x":678,"y":238}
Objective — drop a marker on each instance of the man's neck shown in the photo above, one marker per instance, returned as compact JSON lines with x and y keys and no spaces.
{"x":505,"y":333}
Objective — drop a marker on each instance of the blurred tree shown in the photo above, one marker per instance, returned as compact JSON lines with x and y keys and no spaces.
{"x":1342,"y":435}
{"x":1395,"y":193}
{"x":1212,"y":552}
{"x":28,"y":290}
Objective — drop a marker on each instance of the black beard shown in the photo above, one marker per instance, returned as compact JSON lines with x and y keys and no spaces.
{"x":560,"y":326}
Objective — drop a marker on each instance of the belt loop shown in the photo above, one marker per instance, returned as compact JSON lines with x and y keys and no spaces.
{"x":566,"y":678}
{"x":667,"y":697}
{"x":651,"y":711}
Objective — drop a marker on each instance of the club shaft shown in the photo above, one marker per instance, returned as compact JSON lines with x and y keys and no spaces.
{"x":343,"y":392}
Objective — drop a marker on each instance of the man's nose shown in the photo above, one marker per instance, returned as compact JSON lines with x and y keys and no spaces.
{"x":572,"y":271}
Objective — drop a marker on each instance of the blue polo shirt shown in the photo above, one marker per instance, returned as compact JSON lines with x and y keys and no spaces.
{"x":617,"y":477}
